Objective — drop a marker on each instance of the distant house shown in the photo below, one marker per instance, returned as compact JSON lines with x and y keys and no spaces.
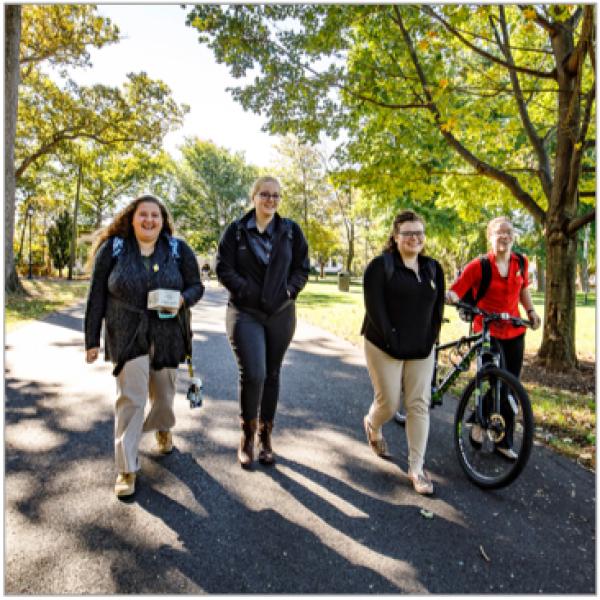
{"x":332,"y":266}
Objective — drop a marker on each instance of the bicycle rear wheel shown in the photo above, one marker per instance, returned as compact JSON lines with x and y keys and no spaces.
{"x":494,"y":451}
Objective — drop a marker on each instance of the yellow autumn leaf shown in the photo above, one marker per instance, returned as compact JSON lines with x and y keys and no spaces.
{"x":577,"y":146}
{"x":444,"y":83}
{"x":423,"y":45}
{"x":432,"y":34}
{"x":449,"y":125}
{"x":529,"y":13}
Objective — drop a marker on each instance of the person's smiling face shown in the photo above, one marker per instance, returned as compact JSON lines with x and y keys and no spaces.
{"x":266,"y":199}
{"x":147,"y":222}
{"x":501,"y":237}
{"x":410,"y":238}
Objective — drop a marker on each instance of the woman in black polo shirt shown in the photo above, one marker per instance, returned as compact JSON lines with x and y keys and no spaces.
{"x":404,"y":302}
{"x":263,"y":262}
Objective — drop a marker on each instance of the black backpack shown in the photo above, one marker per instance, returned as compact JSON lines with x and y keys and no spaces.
{"x":486,"y":277}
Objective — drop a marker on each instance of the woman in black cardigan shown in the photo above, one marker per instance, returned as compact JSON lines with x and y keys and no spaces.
{"x":404,"y":302}
{"x":133,"y":255}
{"x":263,"y":262}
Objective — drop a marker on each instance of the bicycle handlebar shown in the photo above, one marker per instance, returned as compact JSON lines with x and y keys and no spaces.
{"x":489,"y":317}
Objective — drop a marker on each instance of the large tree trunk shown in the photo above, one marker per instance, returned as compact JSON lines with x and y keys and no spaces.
{"x":541,"y":274}
{"x":557,"y":351}
{"x":558,"y":344}
{"x":12,"y":38}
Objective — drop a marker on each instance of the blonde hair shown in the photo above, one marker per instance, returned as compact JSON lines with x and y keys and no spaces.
{"x":256,"y":185}
{"x":497,"y":221}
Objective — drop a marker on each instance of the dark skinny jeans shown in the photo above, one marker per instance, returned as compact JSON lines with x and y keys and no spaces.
{"x":512,"y":351}
{"x":259,"y":343}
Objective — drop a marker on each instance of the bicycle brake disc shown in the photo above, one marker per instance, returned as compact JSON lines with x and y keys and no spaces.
{"x":496,"y":428}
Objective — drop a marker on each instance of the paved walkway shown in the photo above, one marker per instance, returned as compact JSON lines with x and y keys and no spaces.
{"x":330,"y":517}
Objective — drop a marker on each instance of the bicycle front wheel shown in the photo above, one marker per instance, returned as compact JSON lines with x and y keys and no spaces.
{"x":493,"y":444}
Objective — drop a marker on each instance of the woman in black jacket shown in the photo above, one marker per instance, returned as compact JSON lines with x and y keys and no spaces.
{"x":404,"y":302}
{"x":262,"y":260}
{"x":134,"y":255}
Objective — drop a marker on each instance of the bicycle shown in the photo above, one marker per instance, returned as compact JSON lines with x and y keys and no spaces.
{"x":494,"y":411}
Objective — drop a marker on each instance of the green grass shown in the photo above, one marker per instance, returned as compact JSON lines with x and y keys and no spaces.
{"x":342,"y":313}
{"x":42,"y":297}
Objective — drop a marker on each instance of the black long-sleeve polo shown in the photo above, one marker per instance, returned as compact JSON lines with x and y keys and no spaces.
{"x":403,"y":315}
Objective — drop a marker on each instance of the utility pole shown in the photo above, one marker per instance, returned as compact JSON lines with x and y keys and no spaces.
{"x":74,"y":234}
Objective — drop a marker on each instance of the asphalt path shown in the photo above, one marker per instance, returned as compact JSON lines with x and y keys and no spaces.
{"x":329,"y":517}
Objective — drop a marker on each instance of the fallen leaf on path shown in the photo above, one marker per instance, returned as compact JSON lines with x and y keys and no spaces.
{"x":426,"y":513}
{"x":485,"y":556}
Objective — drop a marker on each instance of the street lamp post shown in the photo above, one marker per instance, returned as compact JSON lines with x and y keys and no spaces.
{"x":30,"y":215}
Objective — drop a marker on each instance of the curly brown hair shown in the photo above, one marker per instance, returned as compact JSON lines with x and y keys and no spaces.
{"x":122,"y":224}
{"x":403,"y":217}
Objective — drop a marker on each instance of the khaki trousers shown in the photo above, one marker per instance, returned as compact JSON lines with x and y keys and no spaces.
{"x":135,"y":383}
{"x":410,"y":380}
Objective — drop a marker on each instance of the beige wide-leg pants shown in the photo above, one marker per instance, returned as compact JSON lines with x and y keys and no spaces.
{"x":411,"y":380}
{"x":135,"y":383}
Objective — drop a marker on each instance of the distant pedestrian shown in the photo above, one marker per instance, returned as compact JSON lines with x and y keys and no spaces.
{"x":262,"y":260}
{"x":507,"y":286}
{"x":404,"y":302}
{"x":134,"y":255}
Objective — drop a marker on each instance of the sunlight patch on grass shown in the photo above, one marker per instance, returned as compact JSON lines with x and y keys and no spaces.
{"x":43,"y":297}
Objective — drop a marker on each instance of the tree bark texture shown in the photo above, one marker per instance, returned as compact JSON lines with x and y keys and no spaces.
{"x":557,"y":351}
{"x":12,"y":38}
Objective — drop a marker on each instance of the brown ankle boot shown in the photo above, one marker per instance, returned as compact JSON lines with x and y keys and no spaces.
{"x":246,"y":450}
{"x":265,"y":456}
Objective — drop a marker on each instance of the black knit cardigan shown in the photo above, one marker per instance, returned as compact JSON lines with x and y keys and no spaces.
{"x":118,"y":294}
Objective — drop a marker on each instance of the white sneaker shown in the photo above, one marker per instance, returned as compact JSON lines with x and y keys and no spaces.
{"x":507,"y":453}
{"x":400,"y":418}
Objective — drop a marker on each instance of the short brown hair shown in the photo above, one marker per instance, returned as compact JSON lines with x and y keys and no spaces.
{"x":406,"y":216}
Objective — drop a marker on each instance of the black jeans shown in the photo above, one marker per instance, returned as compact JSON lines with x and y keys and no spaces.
{"x":512,"y":351}
{"x":259,"y":343}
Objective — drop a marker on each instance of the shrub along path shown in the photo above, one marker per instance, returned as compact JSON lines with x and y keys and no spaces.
{"x":330,"y":517}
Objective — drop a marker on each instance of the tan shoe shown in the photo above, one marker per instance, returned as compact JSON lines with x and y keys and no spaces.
{"x":125,"y":484}
{"x":164,"y":442}
{"x":377,"y":445}
{"x":421,"y":483}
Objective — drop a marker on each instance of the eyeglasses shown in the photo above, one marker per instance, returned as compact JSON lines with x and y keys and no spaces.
{"x":266,"y":196}
{"x":418,"y":234}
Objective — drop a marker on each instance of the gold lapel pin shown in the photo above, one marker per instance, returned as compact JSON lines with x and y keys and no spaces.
{"x":156,"y":267}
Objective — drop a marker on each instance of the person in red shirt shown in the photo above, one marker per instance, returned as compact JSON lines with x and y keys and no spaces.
{"x":508,"y":287}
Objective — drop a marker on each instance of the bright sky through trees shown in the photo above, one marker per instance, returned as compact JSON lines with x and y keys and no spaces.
{"x":156,"y":40}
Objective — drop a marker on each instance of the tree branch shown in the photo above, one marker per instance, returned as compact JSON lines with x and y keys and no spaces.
{"x":481,"y":52}
{"x":541,"y":21}
{"x":579,"y":222}
{"x":480,"y":166}
{"x":534,"y":138}
{"x":576,"y":57}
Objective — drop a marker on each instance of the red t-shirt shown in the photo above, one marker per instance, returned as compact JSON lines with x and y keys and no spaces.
{"x":502,"y":295}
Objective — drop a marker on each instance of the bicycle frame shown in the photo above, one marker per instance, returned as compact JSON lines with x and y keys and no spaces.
{"x":480,"y":345}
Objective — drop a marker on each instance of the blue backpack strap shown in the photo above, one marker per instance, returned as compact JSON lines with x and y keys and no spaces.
{"x":117,"y":246}
{"x":174,"y":245}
